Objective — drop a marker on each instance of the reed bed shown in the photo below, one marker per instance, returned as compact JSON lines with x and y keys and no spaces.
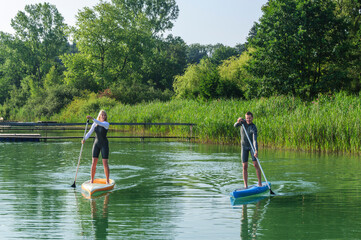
{"x":329,"y":124}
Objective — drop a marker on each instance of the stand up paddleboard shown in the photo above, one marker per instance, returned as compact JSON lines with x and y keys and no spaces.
{"x":251,"y":190}
{"x":99,"y":185}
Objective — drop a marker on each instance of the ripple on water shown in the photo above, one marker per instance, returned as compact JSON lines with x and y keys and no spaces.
{"x":294,"y":188}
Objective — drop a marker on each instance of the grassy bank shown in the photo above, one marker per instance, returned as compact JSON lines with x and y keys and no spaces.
{"x":331,"y":123}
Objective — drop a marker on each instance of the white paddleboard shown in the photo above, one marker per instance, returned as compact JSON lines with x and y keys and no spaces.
{"x":99,"y":185}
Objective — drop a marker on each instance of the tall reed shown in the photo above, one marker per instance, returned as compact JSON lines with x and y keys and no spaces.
{"x":330,"y":123}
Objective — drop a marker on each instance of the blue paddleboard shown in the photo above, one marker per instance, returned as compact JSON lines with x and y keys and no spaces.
{"x":250,"y":191}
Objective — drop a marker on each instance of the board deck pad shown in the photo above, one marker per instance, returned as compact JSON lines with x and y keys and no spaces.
{"x":99,"y":185}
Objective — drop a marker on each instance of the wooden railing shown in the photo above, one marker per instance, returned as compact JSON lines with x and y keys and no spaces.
{"x":47,"y":127}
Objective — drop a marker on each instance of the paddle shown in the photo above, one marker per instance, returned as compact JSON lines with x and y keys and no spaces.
{"x":81,"y":150}
{"x":259,"y":164}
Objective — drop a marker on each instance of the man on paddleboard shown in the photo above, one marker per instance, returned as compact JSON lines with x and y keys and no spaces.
{"x":101,"y":144}
{"x":246,"y":147}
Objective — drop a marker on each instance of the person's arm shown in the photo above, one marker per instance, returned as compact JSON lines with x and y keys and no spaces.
{"x":90,"y":132}
{"x":255,"y":143}
{"x":103,"y":124}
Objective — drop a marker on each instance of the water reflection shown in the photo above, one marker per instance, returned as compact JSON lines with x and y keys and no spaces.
{"x":99,"y":216}
{"x":247,"y":200}
{"x":253,"y":210}
{"x":93,"y":212}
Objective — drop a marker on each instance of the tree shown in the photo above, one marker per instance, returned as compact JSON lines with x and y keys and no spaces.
{"x":240,"y":48}
{"x":234,"y":78}
{"x":79,"y":73}
{"x":208,"y":80}
{"x":299,"y":48}
{"x":39,"y":38}
{"x":159,"y":14}
{"x":222,"y":53}
{"x":116,"y":39}
{"x":195,"y":52}
{"x":199,"y":81}
{"x":167,"y":59}
{"x":351,"y":11}
{"x":11,"y":71}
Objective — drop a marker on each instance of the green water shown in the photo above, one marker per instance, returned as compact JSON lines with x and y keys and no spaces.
{"x":170,"y":190}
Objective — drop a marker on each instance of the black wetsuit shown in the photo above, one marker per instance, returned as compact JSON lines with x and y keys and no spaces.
{"x":101,"y":143}
{"x":252,"y":134}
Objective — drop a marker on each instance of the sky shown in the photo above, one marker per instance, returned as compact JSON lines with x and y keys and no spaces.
{"x":200,"y":21}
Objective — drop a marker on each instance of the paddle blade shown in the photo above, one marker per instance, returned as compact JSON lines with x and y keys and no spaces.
{"x":73,"y":186}
{"x":271,"y":192}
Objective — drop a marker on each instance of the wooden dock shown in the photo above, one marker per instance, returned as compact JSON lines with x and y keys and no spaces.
{"x":20,"y":137}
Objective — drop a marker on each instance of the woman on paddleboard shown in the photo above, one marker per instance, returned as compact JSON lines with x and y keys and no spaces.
{"x":101,"y":144}
{"x":246,"y":147}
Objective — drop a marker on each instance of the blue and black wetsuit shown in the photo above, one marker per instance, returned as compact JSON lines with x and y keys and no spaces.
{"x":101,"y":143}
{"x":246,"y":147}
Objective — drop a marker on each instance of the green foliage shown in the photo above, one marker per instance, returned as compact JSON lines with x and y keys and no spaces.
{"x":79,"y":108}
{"x":216,"y":53}
{"x":30,"y":103}
{"x":222,"y":53}
{"x":198,"y":81}
{"x":195,"y":52}
{"x":206,"y":80}
{"x":30,"y":57}
{"x":50,"y":101}
{"x":187,"y":85}
{"x":159,"y":15}
{"x":11,"y":70}
{"x":5,"y":87}
{"x":53,"y":77}
{"x":137,"y":92}
{"x":18,"y":99}
{"x":167,"y":59}
{"x":40,"y":37}
{"x":79,"y":72}
{"x":350,"y":11}
{"x":299,"y":48}
{"x":234,"y":77}
{"x":117,"y":41}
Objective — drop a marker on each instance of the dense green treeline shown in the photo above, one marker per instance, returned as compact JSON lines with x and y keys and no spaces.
{"x":117,"y":55}
{"x":298,"y":47}
{"x":116,"y":49}
{"x":330,"y":123}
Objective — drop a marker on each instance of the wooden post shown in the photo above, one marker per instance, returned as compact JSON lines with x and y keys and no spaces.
{"x":191,"y":131}
{"x":142,"y":139}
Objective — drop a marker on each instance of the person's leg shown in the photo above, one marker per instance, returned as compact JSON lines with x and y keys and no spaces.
{"x":106,"y":169}
{"x":93,"y":169}
{"x":244,"y":156}
{"x":258,"y":171}
{"x":105,"y":155}
{"x":245,"y":174}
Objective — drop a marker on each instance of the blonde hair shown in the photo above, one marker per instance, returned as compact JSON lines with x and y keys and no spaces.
{"x":100,"y":113}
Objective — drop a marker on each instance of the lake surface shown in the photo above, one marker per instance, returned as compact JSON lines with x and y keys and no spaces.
{"x":175,"y":190}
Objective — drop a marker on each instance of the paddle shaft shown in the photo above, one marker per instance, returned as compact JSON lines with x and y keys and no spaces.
{"x":81,"y":150}
{"x":259,"y":164}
